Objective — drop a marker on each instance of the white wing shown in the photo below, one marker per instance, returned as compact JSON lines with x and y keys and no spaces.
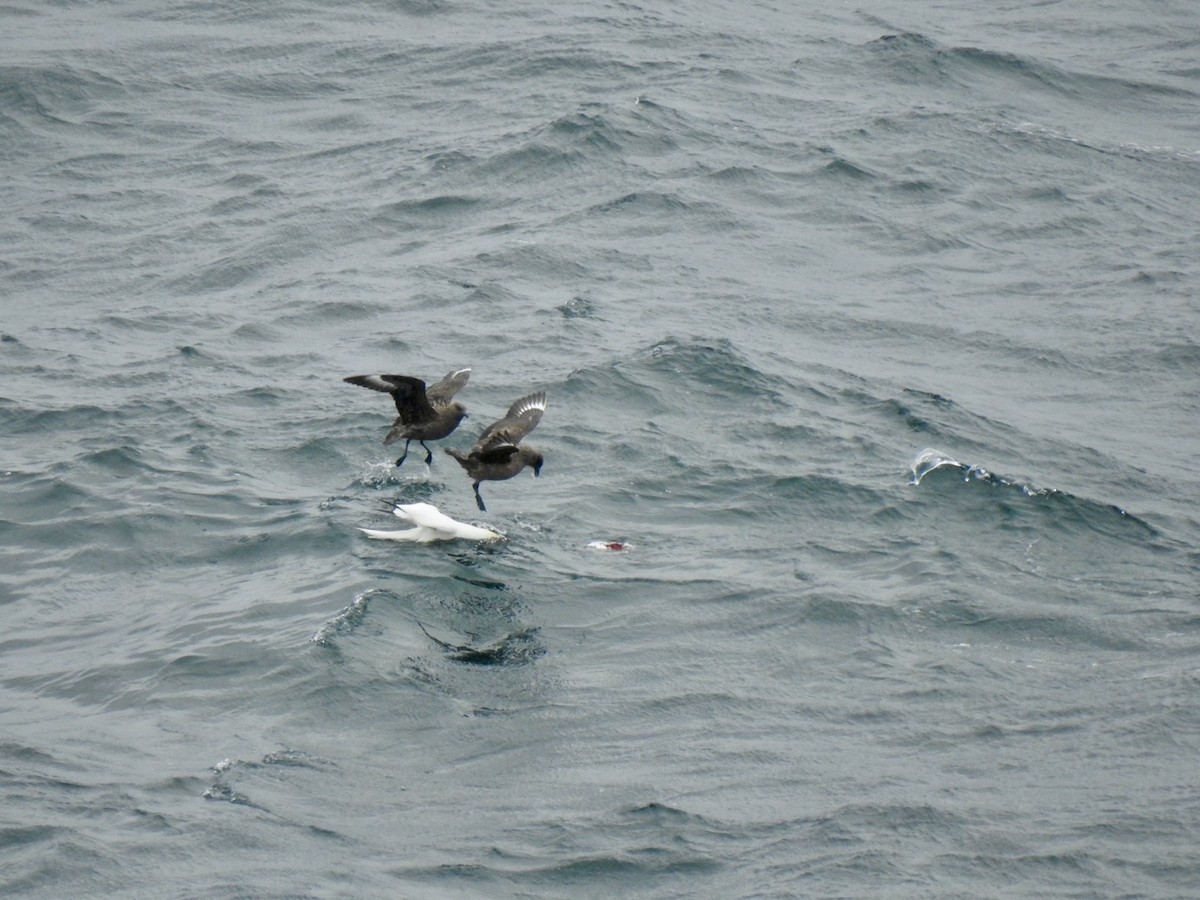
{"x":431,"y":525}
{"x":409,"y":534}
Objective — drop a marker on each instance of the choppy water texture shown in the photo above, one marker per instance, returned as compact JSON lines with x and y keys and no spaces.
{"x":873,"y":330}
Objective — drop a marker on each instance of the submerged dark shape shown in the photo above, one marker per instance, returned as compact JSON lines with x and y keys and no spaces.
{"x":425,"y":414}
{"x":517,"y":647}
{"x":497,"y":455}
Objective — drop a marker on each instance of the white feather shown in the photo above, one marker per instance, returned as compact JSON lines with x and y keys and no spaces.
{"x":431,"y":525}
{"x":537,"y":401}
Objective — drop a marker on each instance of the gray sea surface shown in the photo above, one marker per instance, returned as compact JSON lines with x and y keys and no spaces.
{"x":873,"y":330}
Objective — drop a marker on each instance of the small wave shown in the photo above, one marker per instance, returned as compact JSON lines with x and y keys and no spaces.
{"x":589,"y":129}
{"x":1091,"y":514}
{"x":919,"y":57}
{"x":17,"y":420}
{"x":53,"y":92}
{"x":579,"y":308}
{"x":227,"y":794}
{"x":715,"y":363}
{"x":930,"y":460}
{"x":905,"y":41}
{"x":226,"y":769}
{"x":286,"y":757}
{"x":427,"y":210}
{"x":584,"y":142}
{"x":648,"y":375}
{"x":916,"y":58}
{"x":345,"y":621}
{"x":533,"y":161}
{"x":1055,"y":134}
{"x":655,"y":212}
{"x":841,"y":167}
{"x":645,"y":201}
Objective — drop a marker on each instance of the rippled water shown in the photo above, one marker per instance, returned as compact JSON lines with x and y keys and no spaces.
{"x":873,"y":332}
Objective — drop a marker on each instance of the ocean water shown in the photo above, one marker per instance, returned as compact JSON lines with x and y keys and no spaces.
{"x":875,"y":331}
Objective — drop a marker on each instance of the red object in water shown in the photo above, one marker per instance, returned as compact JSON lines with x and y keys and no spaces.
{"x":609,"y":545}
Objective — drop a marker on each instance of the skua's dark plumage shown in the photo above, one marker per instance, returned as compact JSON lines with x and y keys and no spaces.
{"x":425,"y":414}
{"x":497,"y":454}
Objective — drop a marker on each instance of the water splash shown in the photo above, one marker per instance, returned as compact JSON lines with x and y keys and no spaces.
{"x":347,"y":619}
{"x":929,"y":460}
{"x":1091,"y":512}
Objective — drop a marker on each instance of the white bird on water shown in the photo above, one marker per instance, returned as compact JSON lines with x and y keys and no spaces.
{"x":430,"y":524}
